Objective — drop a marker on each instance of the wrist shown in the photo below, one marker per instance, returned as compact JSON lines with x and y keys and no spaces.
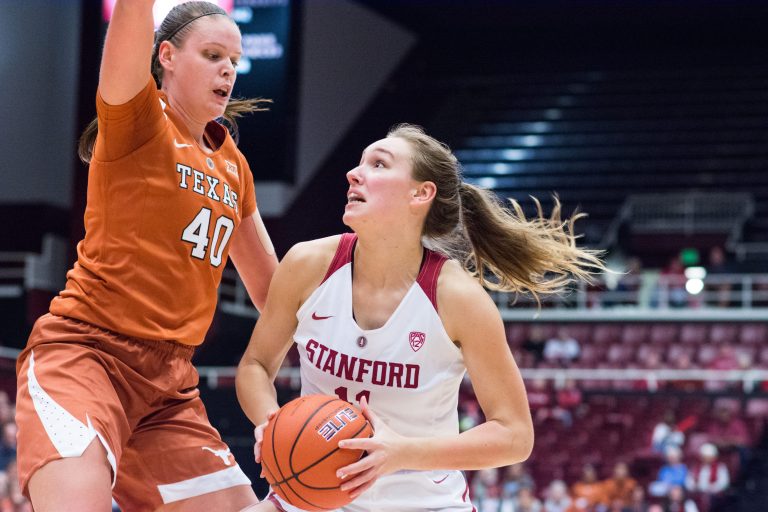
{"x":409,"y":453}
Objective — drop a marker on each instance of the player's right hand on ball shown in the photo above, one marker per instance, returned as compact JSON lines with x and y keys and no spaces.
{"x":258,"y":434}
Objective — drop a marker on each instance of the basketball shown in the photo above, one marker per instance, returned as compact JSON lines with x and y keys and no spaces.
{"x":300,"y":453}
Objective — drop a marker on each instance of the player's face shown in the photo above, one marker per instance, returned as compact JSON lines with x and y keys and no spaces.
{"x":381,"y":186}
{"x":203,"y":68}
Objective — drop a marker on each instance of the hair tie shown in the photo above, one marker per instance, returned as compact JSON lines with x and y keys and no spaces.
{"x":187,"y":23}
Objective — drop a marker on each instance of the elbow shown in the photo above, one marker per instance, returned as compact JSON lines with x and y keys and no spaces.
{"x":520,"y":445}
{"x":524,"y":444}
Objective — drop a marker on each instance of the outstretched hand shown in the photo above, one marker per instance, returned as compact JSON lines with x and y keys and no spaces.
{"x":258,"y":434}
{"x":385,"y":454}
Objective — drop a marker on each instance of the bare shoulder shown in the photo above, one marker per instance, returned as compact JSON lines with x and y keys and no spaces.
{"x":461,"y":300}
{"x":318,"y":252}
{"x":306,"y":263}
{"x":455,"y":283}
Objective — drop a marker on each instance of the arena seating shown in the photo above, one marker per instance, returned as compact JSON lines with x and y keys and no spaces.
{"x":595,"y":137}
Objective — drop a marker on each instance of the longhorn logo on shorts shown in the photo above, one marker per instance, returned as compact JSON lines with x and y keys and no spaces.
{"x":222,"y":454}
{"x":417,"y":340}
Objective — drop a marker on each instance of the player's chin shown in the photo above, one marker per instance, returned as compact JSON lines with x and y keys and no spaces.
{"x":216,"y":108}
{"x":349,"y":219}
{"x":217,"y":113}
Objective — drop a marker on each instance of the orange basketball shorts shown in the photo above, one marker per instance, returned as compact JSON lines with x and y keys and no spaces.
{"x":139,"y":398}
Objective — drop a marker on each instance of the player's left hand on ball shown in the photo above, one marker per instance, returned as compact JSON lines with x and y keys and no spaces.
{"x":258,"y":434}
{"x":384,"y":455}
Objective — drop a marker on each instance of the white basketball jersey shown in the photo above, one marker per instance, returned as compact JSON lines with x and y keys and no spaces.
{"x":409,"y":370}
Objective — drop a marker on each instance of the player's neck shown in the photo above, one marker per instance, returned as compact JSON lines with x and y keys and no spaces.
{"x":387,"y":261}
{"x":195,"y":127}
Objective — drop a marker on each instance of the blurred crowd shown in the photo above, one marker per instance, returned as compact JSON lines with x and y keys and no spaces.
{"x":694,"y":460}
{"x":11,"y":499}
{"x":679,"y":487}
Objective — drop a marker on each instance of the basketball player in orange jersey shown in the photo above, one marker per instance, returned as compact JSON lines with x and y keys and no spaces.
{"x":381,"y":320}
{"x":107,"y":398}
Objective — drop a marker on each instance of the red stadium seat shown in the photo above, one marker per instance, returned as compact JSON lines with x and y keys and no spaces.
{"x":517,"y":333}
{"x":723,"y":333}
{"x":754,"y":334}
{"x":606,"y":334}
{"x":619,"y":354}
{"x":634,"y":334}
{"x":694,"y":334}
{"x":757,"y":408}
{"x":664,"y":334}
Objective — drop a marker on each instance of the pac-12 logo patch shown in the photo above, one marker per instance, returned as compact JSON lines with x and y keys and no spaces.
{"x":417,"y":340}
{"x":231,"y":168}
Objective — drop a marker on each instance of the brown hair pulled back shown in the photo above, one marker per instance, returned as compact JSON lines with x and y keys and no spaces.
{"x":502,"y":248}
{"x":175,"y":28}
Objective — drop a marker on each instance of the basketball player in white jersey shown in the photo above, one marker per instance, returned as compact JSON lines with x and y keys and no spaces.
{"x":382,"y":321}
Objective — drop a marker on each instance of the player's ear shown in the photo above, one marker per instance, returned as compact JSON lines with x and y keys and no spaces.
{"x":424,"y":192}
{"x":165,"y":54}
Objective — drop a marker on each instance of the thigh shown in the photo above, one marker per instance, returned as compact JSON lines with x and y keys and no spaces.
{"x":77,"y":483}
{"x":65,"y":401}
{"x":175,"y":460}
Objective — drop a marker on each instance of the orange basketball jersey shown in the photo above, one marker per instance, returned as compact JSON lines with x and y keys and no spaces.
{"x":160,"y":216}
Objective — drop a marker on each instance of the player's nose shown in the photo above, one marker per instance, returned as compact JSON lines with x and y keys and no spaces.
{"x":354,"y":177}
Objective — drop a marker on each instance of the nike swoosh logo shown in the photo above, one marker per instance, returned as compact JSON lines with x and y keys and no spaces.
{"x":178,"y":145}
{"x":441,"y":480}
{"x":316,"y":317}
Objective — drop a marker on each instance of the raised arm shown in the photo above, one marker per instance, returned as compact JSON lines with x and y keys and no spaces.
{"x":254,"y":257}
{"x":126,"y":60}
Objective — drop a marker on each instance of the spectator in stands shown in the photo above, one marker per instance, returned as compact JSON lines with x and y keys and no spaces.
{"x":671,"y":288}
{"x":760,"y":291}
{"x":526,"y":501}
{"x":7,"y":444}
{"x":711,"y":476}
{"x":562,"y":348}
{"x":673,"y":473}
{"x":516,"y":477}
{"x":727,"y":431}
{"x":486,"y":491}
{"x":535,"y":343}
{"x":638,"y":502}
{"x":666,"y":434}
{"x":12,"y":499}
{"x":677,"y":501}
{"x":718,"y":290}
{"x":540,"y":398}
{"x":471,"y":415}
{"x":620,"y":486}
{"x":588,"y":492}
{"x":567,"y":401}
{"x":557,"y":499}
{"x":628,"y":286}
{"x":6,"y":409}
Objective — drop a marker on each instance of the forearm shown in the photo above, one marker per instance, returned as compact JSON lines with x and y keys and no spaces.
{"x":254,"y":258}
{"x":490,"y":444}
{"x":125,"y":63}
{"x":255,"y":392}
